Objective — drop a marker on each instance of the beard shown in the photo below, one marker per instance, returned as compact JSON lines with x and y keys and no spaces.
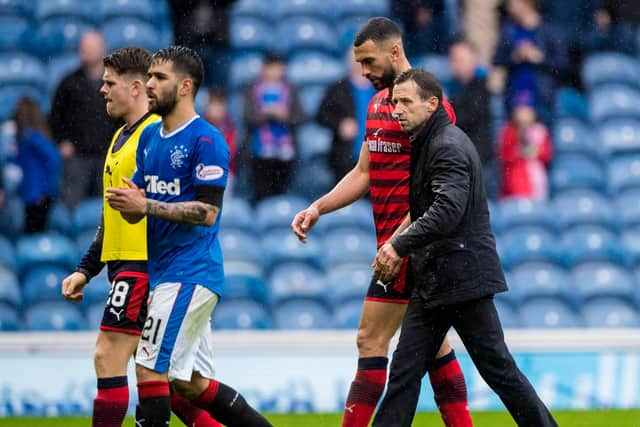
{"x":164,"y":106}
{"x":386,"y":80}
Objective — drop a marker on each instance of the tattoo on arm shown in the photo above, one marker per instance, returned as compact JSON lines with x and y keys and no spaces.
{"x":194,"y":213}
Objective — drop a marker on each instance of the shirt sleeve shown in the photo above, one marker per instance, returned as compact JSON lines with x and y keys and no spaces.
{"x":211,"y":160}
{"x":138,"y":174}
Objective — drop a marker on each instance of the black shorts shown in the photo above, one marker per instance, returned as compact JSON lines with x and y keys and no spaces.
{"x":396,"y":291}
{"x":126,"y":309}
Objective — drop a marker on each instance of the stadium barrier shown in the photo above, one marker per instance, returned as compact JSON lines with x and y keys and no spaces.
{"x":310,"y":371}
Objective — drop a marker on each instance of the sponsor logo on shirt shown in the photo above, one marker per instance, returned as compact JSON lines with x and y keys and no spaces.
{"x":158,"y":186}
{"x":379,"y":146}
{"x":209,"y":172}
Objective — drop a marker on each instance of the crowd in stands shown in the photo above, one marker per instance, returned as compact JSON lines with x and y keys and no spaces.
{"x":282,"y":86}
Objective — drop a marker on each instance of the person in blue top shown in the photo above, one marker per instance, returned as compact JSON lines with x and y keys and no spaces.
{"x":40,"y":163}
{"x":182,"y":167}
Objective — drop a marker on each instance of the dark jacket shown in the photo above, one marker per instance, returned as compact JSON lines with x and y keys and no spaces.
{"x":78,"y":114}
{"x":452,"y":250}
{"x":338,"y":104}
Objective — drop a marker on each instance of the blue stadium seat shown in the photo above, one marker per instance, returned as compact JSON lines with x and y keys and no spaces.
{"x":610,"y":313}
{"x":278,"y":211}
{"x":624,"y":173}
{"x":301,"y":33}
{"x":540,"y":279}
{"x":94,"y":315}
{"x":242,"y":267}
{"x":590,"y":243}
{"x":577,"y":171}
{"x":84,"y":240}
{"x":16,"y":33}
{"x":347,"y":244}
{"x":241,"y":314}
{"x":515,"y":212}
{"x":348,"y":281}
{"x":357,"y":215}
{"x":17,"y":7}
{"x":610,"y":68}
{"x":312,"y":178}
{"x":250,"y":33}
{"x":314,"y":68}
{"x":9,"y":96}
{"x":347,"y":29}
{"x":310,"y":98}
{"x":237,"y":213}
{"x":59,"y":66}
{"x":43,"y":283}
{"x":579,"y":207}
{"x":60,"y":219}
{"x":9,"y":289}
{"x":571,"y":136}
{"x":620,"y":136}
{"x":17,"y":68}
{"x":7,"y":254}
{"x":495,"y":216}
{"x":9,"y":319}
{"x":296,"y":280}
{"x":283,"y":246}
{"x":140,"y":9}
{"x":12,"y":213}
{"x":630,"y":243}
{"x":614,"y":101}
{"x":347,"y":315}
{"x":245,"y":68}
{"x":362,"y":7}
{"x":87,"y":214}
{"x":123,"y":32}
{"x":313,"y":141}
{"x":45,"y":248}
{"x":319,"y":9}
{"x":97,"y":291}
{"x":46,"y":9}
{"x":54,"y":316}
{"x":571,"y":103}
{"x":548,"y":313}
{"x":627,"y":206}
{"x":302,"y":314}
{"x":254,"y":8}
{"x":249,"y":286}
{"x":60,"y":35}
{"x":528,"y":243}
{"x":602,"y":279}
{"x":508,"y":316}
{"x":240,"y":245}
{"x":436,"y":64}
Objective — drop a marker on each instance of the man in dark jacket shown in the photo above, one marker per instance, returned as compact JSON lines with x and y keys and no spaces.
{"x":453,"y":262}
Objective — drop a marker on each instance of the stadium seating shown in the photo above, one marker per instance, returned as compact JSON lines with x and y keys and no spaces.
{"x":43,"y":283}
{"x":240,"y":245}
{"x":571,"y":103}
{"x":348,"y":282}
{"x":310,"y":98}
{"x":590,"y":243}
{"x":508,"y":316}
{"x":18,"y":68}
{"x":121,"y":32}
{"x":528,"y":243}
{"x":515,"y":212}
{"x":246,"y":286}
{"x":16,"y":33}
{"x":237,"y":214}
{"x":47,"y":9}
{"x":577,"y":171}
{"x":255,"y":9}
{"x":301,"y":33}
{"x":627,"y":206}
{"x":438,"y":65}
{"x":620,"y":136}
{"x":242,"y":267}
{"x":614,"y":101}
{"x":305,"y":8}
{"x":609,"y":312}
{"x":302,"y":314}
{"x":548,"y":313}
{"x":12,"y":214}
{"x":140,"y":9}
{"x":312,"y":178}
{"x":60,"y":219}
{"x":94,"y":315}
{"x":624,"y":173}
{"x":58,"y":67}
{"x":282,"y":246}
{"x":84,"y":240}
{"x":250,"y":33}
{"x":59,"y":35}
{"x":54,"y":316}
{"x":45,"y":248}
{"x":296,"y":280}
{"x":241,"y":314}
{"x":97,"y":291}
{"x":601,"y":279}
{"x":571,"y":136}
{"x":610,"y":67}
{"x":362,"y":8}
{"x":630,"y":243}
{"x":16,"y":8}
{"x":278,"y":211}
{"x":314,"y":68}
{"x":245,"y":68}
{"x":347,"y":315}
{"x":357,"y":214}
{"x":540,"y":279}
{"x":583,"y":207}
{"x":7,"y":256}
{"x":10,"y":94}
{"x":9,"y":319}
{"x":313,"y":140}
{"x":346,"y":244}
{"x":87,"y":214}
{"x":9,"y":289}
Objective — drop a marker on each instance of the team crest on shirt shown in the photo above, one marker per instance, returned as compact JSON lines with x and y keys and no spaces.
{"x":178,"y":156}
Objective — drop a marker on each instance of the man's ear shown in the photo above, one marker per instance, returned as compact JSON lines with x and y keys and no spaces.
{"x":186,"y":87}
{"x":433,"y":104}
{"x":138,"y":87}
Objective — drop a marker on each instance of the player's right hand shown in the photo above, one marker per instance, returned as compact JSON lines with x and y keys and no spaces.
{"x":73,"y":285}
{"x":304,"y":221}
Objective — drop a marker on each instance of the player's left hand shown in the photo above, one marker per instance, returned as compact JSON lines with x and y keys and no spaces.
{"x":128,"y":200}
{"x":387,"y":263}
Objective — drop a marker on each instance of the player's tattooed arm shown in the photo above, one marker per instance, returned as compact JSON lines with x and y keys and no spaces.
{"x":194,"y":213}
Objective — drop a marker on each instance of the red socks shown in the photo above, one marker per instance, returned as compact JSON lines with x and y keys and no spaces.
{"x":365,"y":391}
{"x":450,"y":391}
{"x":111,"y":403}
{"x":191,"y":415}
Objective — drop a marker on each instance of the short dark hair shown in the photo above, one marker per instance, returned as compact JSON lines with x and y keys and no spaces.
{"x":129,"y":60}
{"x":377,"y":29}
{"x":184,"y":61}
{"x":428,"y":84}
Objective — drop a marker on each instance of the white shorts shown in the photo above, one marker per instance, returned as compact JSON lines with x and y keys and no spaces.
{"x":177,"y":333}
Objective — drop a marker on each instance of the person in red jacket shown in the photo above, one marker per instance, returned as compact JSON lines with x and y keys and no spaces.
{"x":525,"y":151}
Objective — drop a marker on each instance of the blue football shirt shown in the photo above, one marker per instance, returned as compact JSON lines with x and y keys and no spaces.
{"x":170,"y":167}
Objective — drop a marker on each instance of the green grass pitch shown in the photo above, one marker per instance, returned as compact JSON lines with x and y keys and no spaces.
{"x":601,"y":418}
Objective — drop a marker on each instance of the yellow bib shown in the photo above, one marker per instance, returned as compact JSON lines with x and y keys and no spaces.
{"x":123,"y":241}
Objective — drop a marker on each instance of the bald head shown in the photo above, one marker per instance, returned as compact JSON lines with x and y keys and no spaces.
{"x":91,"y":49}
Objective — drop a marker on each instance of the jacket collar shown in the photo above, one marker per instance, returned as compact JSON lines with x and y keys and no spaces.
{"x":437,"y":121}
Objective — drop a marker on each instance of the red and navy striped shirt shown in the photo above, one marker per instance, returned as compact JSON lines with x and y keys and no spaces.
{"x":389,"y":164}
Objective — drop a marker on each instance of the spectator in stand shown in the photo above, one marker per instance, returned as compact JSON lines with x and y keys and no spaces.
{"x":424,"y":23}
{"x":609,"y":33}
{"x":531,"y":55}
{"x":272,"y":110}
{"x":525,"y":152}
{"x":343,"y":110}
{"x":480,"y":20}
{"x":217,"y":114}
{"x":80,"y":123}
{"x":40,"y":163}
